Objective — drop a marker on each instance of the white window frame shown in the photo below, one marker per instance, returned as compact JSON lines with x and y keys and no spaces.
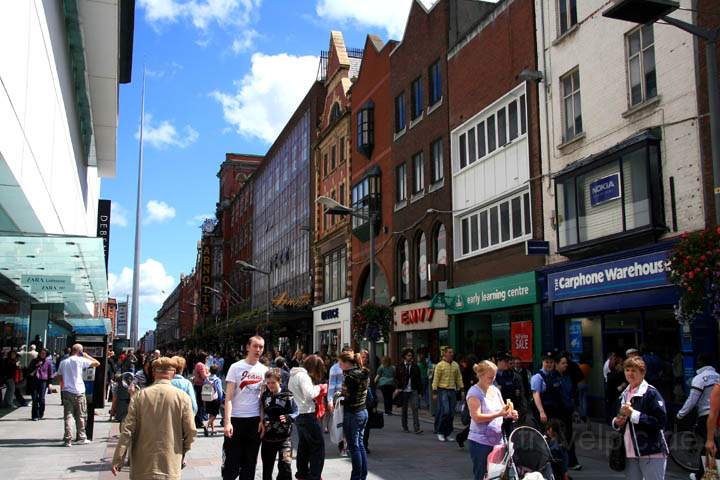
{"x":525,"y":235}
{"x":401,"y":184}
{"x":568,"y":12}
{"x":437,"y":161}
{"x":491,"y":110}
{"x":641,"y":56}
{"x":575,"y":91}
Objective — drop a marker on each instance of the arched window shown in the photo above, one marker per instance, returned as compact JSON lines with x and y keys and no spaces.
{"x":422,"y":262}
{"x":381,"y":287}
{"x":335,"y":112}
{"x":440,"y":254}
{"x":403,"y":270}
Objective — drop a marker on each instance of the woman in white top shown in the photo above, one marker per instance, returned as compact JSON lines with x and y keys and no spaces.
{"x":304,"y":385}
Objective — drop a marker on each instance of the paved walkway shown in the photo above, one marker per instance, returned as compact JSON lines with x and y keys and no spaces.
{"x":33,"y":450}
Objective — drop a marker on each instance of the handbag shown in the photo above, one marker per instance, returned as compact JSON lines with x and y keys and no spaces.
{"x":617,"y":459}
{"x":376,"y":420}
{"x":711,"y":471}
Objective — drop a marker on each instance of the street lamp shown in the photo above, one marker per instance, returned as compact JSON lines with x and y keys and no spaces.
{"x":650,"y":11}
{"x":248,"y":267}
{"x":336,"y":208}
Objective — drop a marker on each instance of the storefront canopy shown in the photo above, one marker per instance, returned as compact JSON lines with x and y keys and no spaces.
{"x":55,"y":269}
{"x":89,"y":326}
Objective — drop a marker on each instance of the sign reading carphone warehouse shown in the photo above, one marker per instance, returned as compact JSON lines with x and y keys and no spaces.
{"x":635,"y":273}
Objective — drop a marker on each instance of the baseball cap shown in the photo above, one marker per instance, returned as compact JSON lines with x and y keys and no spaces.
{"x":548,"y":356}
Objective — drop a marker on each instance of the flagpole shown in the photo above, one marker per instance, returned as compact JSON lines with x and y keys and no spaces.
{"x":138,"y":218}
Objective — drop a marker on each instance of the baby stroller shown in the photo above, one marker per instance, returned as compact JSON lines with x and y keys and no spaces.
{"x":525,"y":455}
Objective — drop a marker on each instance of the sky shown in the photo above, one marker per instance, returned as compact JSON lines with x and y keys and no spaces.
{"x":221,"y":76}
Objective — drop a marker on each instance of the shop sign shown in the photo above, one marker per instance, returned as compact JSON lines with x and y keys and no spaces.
{"x":47,"y":283}
{"x":330,"y":314}
{"x":419,"y":316}
{"x":635,"y":273}
{"x":521,"y":334}
{"x":503,"y":292}
{"x":605,"y":189}
{"x":205,"y":277}
{"x":103,"y":226}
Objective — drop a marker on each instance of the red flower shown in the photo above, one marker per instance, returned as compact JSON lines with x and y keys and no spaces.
{"x":691,"y":275}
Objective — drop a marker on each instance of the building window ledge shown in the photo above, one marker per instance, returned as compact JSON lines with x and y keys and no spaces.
{"x":565,"y":34}
{"x":416,"y":121}
{"x":400,"y":205}
{"x":577,"y":138}
{"x":437,"y":185}
{"x":399,"y":134}
{"x":434,"y":106}
{"x":417,"y":196}
{"x":646,"y":104}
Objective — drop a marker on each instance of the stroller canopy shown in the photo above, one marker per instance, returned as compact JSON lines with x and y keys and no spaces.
{"x":529,"y":449}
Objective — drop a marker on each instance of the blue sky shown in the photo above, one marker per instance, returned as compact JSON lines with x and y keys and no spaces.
{"x":222,"y":76}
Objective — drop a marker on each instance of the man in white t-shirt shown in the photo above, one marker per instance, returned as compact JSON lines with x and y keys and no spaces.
{"x":73,"y":392}
{"x":242,"y":403}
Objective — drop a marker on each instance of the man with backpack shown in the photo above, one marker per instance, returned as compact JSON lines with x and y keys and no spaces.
{"x":212,"y":395}
{"x":545,"y":386}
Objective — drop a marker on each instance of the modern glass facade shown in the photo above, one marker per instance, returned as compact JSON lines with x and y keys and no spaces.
{"x":281,"y":218}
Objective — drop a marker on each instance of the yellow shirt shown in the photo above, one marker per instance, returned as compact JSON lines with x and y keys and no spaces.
{"x":447,"y":375}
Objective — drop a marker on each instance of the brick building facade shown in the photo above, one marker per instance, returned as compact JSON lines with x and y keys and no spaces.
{"x":332,"y":167}
{"x":372,"y":182}
{"x":420,"y":168}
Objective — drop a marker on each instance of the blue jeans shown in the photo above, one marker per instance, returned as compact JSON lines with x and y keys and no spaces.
{"x":354,"y":429}
{"x":310,"y":457}
{"x":445,"y":411}
{"x":479,"y":454}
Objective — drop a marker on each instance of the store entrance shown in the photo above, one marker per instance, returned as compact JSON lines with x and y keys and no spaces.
{"x":654,"y":332}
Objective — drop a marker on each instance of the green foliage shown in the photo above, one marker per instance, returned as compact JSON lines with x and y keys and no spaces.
{"x":372,"y":321}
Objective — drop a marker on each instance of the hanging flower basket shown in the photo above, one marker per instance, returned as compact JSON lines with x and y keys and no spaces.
{"x":371,"y":321}
{"x":695,"y":268}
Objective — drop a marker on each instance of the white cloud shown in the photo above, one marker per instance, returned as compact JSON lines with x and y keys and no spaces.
{"x":197,"y":220}
{"x":118,"y":215}
{"x":164,"y":134}
{"x":268,"y":95}
{"x":155,"y":283}
{"x":388,"y":15}
{"x":158,"y":211}
{"x":245,"y":41}
{"x":167,"y":69}
{"x":201,"y":13}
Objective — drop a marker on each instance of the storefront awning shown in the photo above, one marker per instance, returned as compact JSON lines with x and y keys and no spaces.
{"x":54,"y":269}
{"x":89,"y":326}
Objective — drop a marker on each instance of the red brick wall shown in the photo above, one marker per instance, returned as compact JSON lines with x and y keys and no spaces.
{"x":373,"y":84}
{"x":424,"y":43}
{"x":485,"y":69}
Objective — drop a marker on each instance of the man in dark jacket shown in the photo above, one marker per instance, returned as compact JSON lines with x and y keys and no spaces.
{"x":511,"y":387}
{"x":407,"y":378}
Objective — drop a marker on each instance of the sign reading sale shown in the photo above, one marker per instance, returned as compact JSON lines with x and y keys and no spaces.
{"x":521,"y":337}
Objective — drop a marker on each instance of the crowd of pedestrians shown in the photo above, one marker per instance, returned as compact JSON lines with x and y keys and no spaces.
{"x":261,"y":398}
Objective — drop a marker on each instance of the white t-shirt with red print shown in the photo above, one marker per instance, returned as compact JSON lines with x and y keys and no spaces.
{"x":248,"y":380}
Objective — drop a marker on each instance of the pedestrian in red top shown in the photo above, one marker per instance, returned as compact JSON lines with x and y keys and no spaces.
{"x":200,"y":374}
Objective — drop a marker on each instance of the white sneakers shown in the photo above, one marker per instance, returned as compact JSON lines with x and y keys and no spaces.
{"x":449,"y":438}
{"x":84,"y":442}
{"x":441,"y":437}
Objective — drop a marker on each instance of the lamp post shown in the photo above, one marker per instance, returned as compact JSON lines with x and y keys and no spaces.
{"x":650,"y":11}
{"x":336,"y":208}
{"x":247,"y":267}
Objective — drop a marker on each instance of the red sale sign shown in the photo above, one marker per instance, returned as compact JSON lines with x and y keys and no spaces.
{"x":521,"y":339}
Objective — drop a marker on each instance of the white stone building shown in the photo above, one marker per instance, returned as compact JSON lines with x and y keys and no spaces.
{"x":61,"y":63}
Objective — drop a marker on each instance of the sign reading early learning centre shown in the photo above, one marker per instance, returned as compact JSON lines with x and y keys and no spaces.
{"x":502,"y":292}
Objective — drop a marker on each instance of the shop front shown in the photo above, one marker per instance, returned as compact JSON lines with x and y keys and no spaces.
{"x":502,"y":314}
{"x":623,"y":301}
{"x":421,"y":327}
{"x":331,"y":327}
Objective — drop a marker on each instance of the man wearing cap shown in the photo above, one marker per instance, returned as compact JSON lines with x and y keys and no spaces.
{"x":159,"y":425}
{"x":510,"y":385}
{"x":545,"y":386}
